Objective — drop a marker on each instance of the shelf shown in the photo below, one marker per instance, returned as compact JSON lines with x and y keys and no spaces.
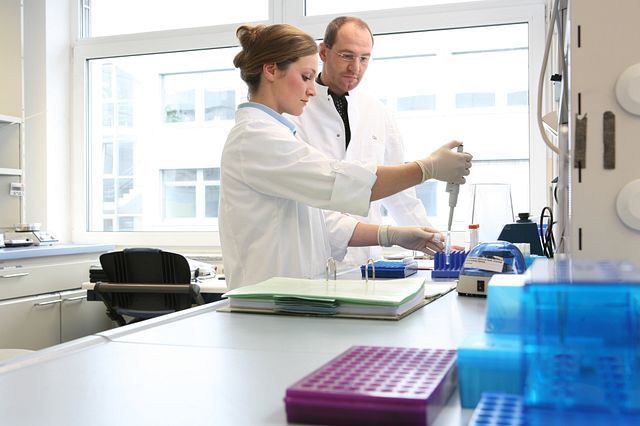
{"x":10,"y":172}
{"x":9,"y":119}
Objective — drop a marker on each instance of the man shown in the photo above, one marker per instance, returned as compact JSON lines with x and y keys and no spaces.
{"x":347,"y":124}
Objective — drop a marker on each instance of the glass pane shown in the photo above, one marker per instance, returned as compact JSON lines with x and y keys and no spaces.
{"x":212,"y":174}
{"x":112,"y":17}
{"x":108,"y":114}
{"x":179,"y":95}
{"x":126,"y":223}
{"x":108,"y":191}
{"x":107,"y":88}
{"x":125,"y":159}
{"x":125,"y":113}
{"x":475,"y":100}
{"x":151,"y":153}
{"x":107,"y":155}
{"x":469,"y":84}
{"x":219,"y":105}
{"x":180,"y":202}
{"x":411,"y":103}
{"x":180,"y":175}
{"x":330,"y":7}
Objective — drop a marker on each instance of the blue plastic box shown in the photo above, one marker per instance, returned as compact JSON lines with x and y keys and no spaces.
{"x":500,"y":409}
{"x":390,"y":269}
{"x":489,"y":363}
{"x":582,"y":304}
{"x":504,"y":304}
{"x":578,"y":380}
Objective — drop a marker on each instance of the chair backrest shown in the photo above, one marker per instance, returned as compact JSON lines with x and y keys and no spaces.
{"x":145,"y":283}
{"x":145,"y":265}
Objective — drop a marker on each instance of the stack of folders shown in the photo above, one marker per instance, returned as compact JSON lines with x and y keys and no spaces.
{"x":389,"y":299}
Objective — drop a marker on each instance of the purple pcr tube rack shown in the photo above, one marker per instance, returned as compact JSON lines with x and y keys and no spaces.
{"x":375,"y":385}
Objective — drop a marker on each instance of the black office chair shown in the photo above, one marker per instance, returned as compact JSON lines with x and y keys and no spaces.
{"x":145,"y":283}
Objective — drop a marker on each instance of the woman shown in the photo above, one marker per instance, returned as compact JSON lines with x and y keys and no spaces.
{"x":273,"y":186}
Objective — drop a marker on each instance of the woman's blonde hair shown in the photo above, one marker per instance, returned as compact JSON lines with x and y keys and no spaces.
{"x":279,"y":44}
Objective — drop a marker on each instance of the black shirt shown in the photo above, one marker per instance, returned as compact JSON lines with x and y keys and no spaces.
{"x":340,"y":103}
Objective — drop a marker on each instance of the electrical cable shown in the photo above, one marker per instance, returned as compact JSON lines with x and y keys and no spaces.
{"x":546,"y":235}
{"x":545,"y":58}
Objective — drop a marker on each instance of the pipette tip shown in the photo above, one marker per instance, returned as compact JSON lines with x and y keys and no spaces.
{"x":447,"y":248}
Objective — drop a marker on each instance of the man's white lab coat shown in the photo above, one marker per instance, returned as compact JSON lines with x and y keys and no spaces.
{"x":273,"y":187}
{"x":374,"y":138}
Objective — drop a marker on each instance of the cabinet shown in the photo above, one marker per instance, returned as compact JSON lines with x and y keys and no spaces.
{"x":11,"y":111}
{"x":36,"y":322}
{"x":41,"y":304}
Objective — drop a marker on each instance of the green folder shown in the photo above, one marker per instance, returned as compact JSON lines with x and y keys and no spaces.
{"x":385,"y":299}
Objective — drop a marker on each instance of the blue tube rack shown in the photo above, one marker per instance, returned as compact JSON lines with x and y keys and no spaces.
{"x":452,"y":270}
{"x":503,"y":409}
{"x":566,"y":338}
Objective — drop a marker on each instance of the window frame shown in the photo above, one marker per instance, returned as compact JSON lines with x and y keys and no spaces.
{"x":381,"y":22}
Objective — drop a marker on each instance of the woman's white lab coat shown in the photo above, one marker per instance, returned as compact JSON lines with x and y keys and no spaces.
{"x":375,"y":138}
{"x":272,"y":189}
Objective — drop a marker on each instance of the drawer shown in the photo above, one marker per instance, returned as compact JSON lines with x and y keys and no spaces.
{"x":29,"y":278}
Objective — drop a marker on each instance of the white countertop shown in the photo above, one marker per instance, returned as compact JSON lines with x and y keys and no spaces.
{"x":202,"y":367}
{"x":14,"y":253}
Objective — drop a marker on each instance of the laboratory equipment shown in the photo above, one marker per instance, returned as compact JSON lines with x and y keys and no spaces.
{"x":523,"y":231}
{"x":498,"y":409}
{"x":473,"y":235}
{"x":453,"y":189}
{"x":390,"y":268}
{"x":491,"y":208}
{"x":375,"y":385}
{"x":485,"y":260}
{"x":27,"y":238}
{"x":564,"y":338}
{"x":448,"y":266}
{"x":599,"y":120}
{"x":447,"y":248}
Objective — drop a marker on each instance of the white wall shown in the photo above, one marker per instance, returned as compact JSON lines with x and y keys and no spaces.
{"x":47,"y":76}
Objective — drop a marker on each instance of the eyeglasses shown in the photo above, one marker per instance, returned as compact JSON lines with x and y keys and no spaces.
{"x":350,"y":57}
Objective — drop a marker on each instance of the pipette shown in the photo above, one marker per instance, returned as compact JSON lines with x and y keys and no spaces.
{"x":453,"y":189}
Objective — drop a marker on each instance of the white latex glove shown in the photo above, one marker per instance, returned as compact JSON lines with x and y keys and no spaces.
{"x":424,"y":239}
{"x":446,"y":165}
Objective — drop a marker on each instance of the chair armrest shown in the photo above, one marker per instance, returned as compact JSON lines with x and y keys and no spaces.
{"x":142,"y":288}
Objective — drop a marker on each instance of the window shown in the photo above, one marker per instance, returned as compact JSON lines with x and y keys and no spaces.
{"x":445,"y":100}
{"x":161,"y":157}
{"x":417,"y":102}
{"x":197,"y":93}
{"x":112,"y":17}
{"x":328,"y":7}
{"x":153,"y":111}
{"x":191,"y":194}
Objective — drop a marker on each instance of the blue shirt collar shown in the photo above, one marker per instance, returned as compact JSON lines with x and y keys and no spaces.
{"x":271,"y":112}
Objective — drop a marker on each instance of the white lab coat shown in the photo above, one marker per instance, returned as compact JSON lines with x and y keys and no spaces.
{"x":273,"y":187}
{"x":374,"y":138}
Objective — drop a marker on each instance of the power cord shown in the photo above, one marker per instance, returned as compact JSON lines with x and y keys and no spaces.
{"x":546,"y":235}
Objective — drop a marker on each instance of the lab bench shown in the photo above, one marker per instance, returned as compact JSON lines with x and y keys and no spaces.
{"x":202,"y":366}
